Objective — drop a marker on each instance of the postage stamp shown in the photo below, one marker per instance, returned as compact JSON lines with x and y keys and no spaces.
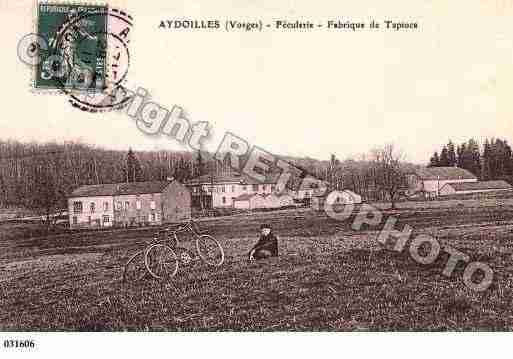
{"x":76,"y":45}
{"x":87,"y":55}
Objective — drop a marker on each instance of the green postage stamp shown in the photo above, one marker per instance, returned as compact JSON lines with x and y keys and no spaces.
{"x":83,"y":52}
{"x":75,"y":57}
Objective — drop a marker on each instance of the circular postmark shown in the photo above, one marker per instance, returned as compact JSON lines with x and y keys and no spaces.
{"x":94,"y":64}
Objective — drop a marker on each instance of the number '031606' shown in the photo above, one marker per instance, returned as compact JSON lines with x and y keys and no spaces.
{"x":19,"y":343}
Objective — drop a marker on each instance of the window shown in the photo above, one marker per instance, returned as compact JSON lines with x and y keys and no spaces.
{"x":75,"y":220}
{"x":106,"y":219}
{"x":77,"y":207}
{"x":92,"y":206}
{"x":223,"y":189}
{"x":233,"y":188}
{"x":264,"y":187}
{"x":105,"y":206}
{"x":153,"y":217}
{"x":224,"y":200}
{"x":89,"y":220}
{"x":244,"y":188}
{"x":138,"y":204}
{"x":255,"y":187}
{"x":152,"y":204}
{"x":127,"y":205}
{"x":273,"y":188}
{"x":119,"y":206}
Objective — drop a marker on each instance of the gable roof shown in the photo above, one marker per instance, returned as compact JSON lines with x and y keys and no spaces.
{"x":476,"y":186}
{"x":314,"y":184}
{"x":232,"y":178}
{"x":444,"y":173}
{"x":116,"y":189}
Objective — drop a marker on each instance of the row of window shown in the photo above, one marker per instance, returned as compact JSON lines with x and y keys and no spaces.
{"x":105,"y":220}
{"x":78,"y":206}
{"x":152,"y":217}
{"x":224,"y":188}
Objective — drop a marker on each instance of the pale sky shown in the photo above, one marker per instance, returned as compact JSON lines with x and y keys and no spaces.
{"x":294,"y":93}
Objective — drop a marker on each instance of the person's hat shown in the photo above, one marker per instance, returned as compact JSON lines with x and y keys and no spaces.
{"x":265,"y":225}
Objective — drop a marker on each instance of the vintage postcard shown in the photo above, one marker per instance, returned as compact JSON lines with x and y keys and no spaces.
{"x":255,"y":166}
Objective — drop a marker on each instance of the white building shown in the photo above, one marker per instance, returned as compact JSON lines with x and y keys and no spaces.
{"x":336,"y":198}
{"x":242,"y":202}
{"x":220,"y":191}
{"x":286,"y":200}
{"x":474,"y":187}
{"x":429,"y":181}
{"x":308,"y":189}
{"x":129,"y":204}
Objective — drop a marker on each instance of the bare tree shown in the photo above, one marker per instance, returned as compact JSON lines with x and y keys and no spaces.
{"x":389,"y":175}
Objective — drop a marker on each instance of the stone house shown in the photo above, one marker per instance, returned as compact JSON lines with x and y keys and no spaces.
{"x":129,"y":204}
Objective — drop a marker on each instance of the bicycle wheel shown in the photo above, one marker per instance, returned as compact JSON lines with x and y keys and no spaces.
{"x":161,"y":261}
{"x":135,"y":269}
{"x":209,"y":250}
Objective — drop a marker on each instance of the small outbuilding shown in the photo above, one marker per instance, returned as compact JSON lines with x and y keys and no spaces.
{"x":336,"y":198}
{"x":474,"y":187}
{"x":286,"y":200}
{"x":242,"y":201}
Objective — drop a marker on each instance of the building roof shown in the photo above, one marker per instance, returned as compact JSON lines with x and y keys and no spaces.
{"x":476,"y":186}
{"x":444,"y":173}
{"x":116,"y":189}
{"x":232,"y":178}
{"x":283,"y":195}
{"x":348,"y":191}
{"x":314,"y":184}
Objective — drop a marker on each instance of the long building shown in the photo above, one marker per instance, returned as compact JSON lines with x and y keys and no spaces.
{"x":429,"y":181}
{"x":211,"y":191}
{"x":129,"y":204}
{"x":475,"y":187}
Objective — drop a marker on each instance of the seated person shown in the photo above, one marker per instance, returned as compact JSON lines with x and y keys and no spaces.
{"x":267,"y":245}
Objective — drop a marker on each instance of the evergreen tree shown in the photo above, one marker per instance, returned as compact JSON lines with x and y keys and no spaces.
{"x":133,"y":169}
{"x":485,"y":166}
{"x":444,"y":157}
{"x":474,"y":156}
{"x":451,"y":154}
{"x":460,"y":150}
{"x":434,"y":161}
{"x":200,"y":168}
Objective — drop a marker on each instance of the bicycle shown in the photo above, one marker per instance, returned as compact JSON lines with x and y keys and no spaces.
{"x":160,"y":256}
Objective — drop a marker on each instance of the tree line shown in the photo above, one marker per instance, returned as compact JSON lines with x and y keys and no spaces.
{"x":40,"y":176}
{"x":492,"y":161}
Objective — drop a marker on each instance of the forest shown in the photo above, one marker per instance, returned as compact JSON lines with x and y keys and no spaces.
{"x":40,"y":176}
{"x":491,"y":161}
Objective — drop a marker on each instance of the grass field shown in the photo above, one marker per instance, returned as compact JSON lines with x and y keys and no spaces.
{"x":327,"y":277}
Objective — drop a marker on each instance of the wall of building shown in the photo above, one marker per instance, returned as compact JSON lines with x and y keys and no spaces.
{"x":223,"y":194}
{"x":96,"y":212}
{"x":176,"y":203}
{"x":241,"y":204}
{"x":138,"y":210}
{"x":436,"y":185}
{"x":448,"y":190}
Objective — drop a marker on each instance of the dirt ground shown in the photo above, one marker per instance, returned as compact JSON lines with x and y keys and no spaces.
{"x":327,"y":277}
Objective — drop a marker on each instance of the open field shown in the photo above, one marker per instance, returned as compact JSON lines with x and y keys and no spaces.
{"x":328,"y":277}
